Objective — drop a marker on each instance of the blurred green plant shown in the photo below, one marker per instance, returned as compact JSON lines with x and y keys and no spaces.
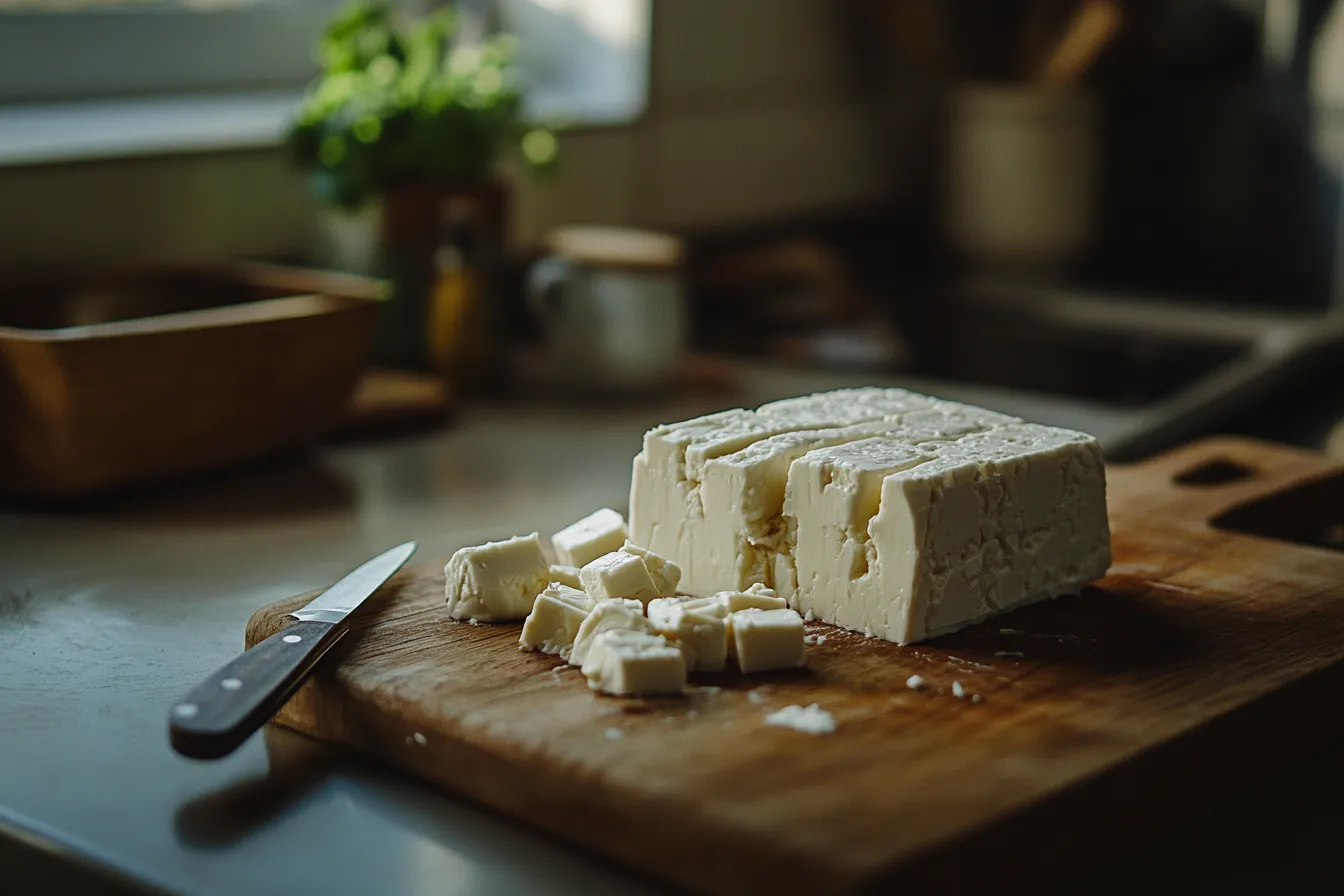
{"x":398,"y":102}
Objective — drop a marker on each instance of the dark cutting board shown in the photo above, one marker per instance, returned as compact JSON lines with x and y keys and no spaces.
{"x":1206,"y":658}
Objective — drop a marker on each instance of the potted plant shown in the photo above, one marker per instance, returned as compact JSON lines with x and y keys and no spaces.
{"x":401,"y":137}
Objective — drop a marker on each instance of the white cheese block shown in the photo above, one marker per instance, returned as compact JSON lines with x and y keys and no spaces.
{"x":565,"y":575}
{"x":630,"y":662}
{"x":496,"y":581}
{"x":554,"y":622}
{"x":606,"y":616}
{"x":582,"y":542}
{"x":701,"y":634}
{"x":710,"y":494}
{"x":619,"y":574}
{"x":665,"y":574}
{"x":761,"y":640}
{"x":906,"y":542}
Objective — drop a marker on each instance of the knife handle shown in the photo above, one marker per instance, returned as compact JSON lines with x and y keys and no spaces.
{"x":225,"y":709}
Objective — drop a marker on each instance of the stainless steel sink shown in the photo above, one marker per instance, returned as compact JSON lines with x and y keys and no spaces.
{"x":1140,"y":374}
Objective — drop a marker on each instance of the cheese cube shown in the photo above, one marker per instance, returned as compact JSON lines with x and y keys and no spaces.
{"x":496,"y":581}
{"x":606,"y":616}
{"x":618,"y":574}
{"x":566,"y":575}
{"x":628,"y":662}
{"x":582,"y":542}
{"x":761,"y":640}
{"x":664,"y":572}
{"x":907,"y":542}
{"x":554,"y":622}
{"x":701,"y":636}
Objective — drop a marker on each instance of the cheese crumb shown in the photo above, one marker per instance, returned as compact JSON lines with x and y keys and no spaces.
{"x":614,"y":734}
{"x":757,"y":695}
{"x":814,"y":639}
{"x":957,"y":690}
{"x":807,"y":719}
{"x":915,"y":682}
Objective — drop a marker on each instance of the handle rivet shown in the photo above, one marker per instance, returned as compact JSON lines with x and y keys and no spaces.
{"x":291,"y":639}
{"x":185,"y":710}
{"x":231,"y":684}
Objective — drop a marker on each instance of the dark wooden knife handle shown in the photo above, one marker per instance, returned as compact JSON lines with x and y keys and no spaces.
{"x":225,"y":709}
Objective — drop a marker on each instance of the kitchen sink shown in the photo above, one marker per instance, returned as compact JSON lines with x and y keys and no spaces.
{"x":1037,"y":350}
{"x":1139,"y":373}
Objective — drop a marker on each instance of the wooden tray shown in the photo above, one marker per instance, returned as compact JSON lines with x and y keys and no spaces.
{"x":120,"y":377}
{"x":1205,"y":658}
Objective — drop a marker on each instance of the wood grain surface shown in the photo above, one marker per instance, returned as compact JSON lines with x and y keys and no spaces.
{"x":1205,"y":659}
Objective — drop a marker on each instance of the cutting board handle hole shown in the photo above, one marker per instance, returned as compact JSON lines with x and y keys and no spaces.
{"x":1309,"y":513}
{"x":1220,"y":471}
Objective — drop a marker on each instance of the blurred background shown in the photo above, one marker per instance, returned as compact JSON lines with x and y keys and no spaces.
{"x":471,"y":252}
{"x":302,"y":218}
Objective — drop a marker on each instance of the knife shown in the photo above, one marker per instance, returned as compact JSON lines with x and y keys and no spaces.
{"x":225,"y":709}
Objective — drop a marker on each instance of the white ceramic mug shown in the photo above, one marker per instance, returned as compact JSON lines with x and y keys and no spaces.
{"x":614,"y":317}
{"x":1021,"y":166}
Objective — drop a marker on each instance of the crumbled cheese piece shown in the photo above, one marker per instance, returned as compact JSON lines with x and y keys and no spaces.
{"x":614,"y":734}
{"x":566,"y":575}
{"x":761,"y":640}
{"x":757,"y":695}
{"x":607,"y":615}
{"x":582,"y":542}
{"x":496,"y":581}
{"x":814,"y":639}
{"x":664,"y":572}
{"x":618,"y":574}
{"x":957,"y":690}
{"x":915,"y":682}
{"x":701,"y":636}
{"x":810,"y":719}
{"x":634,"y":662}
{"x":554,"y":622}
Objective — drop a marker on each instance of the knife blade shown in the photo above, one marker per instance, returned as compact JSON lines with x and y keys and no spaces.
{"x":224,"y":710}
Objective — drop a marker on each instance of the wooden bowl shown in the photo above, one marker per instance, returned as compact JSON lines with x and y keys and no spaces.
{"x":116,"y":378}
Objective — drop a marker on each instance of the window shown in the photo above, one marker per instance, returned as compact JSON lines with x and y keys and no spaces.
{"x":586,"y":59}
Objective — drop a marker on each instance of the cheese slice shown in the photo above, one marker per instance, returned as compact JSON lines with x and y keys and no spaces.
{"x":554,"y":622}
{"x":582,"y":542}
{"x":632,"y":662}
{"x":606,"y":616}
{"x":496,"y":581}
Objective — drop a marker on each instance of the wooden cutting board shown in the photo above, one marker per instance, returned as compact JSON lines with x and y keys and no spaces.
{"x":1205,"y":659}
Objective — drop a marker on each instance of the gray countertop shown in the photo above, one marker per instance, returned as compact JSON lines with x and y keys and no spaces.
{"x":108,"y":613}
